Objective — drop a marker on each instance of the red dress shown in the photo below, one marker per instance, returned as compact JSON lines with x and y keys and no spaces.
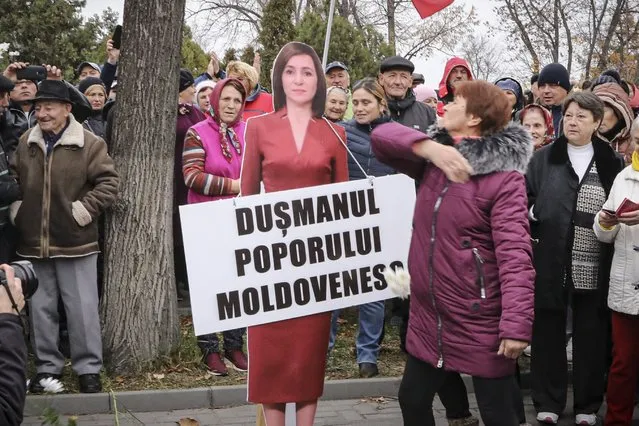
{"x":287,"y":359}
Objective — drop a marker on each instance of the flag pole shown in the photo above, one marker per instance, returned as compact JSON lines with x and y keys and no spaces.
{"x":329,"y":26}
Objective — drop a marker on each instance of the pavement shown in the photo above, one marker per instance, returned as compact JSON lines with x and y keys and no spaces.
{"x":383,"y":411}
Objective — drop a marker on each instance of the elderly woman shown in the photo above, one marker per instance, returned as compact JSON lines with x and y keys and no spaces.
{"x":470,"y":258}
{"x":623,"y":296}
{"x":212,"y":160}
{"x":617,"y":119}
{"x":568,"y":183}
{"x":336,"y":104}
{"x":203,"y":92}
{"x":258,"y":102}
{"x":538,"y":121}
{"x":93,"y":88}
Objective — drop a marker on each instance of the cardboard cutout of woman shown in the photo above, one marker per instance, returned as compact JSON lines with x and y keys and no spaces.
{"x":290,"y":148}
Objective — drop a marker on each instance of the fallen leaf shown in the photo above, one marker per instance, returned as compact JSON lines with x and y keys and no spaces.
{"x":158,"y":376}
{"x":119,"y":379}
{"x":187,"y":421}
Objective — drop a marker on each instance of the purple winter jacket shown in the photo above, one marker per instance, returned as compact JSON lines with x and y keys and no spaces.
{"x":470,"y":259}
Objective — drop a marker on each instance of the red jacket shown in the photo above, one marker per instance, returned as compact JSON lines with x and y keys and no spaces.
{"x":470,"y":260}
{"x":445,"y":93}
{"x":258,"y":104}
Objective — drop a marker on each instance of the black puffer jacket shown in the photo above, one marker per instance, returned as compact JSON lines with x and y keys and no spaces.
{"x":411,"y":113}
{"x":358,"y":139}
{"x":13,"y":356}
{"x":96,"y":124}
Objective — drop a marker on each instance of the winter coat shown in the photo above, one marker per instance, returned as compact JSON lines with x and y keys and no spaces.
{"x":553,"y":187}
{"x":445,"y":93}
{"x":96,"y":124}
{"x":470,"y":255}
{"x":619,"y":137}
{"x":410,"y":113}
{"x":9,"y":189}
{"x":19,"y":121}
{"x":13,"y":384}
{"x":64,"y":192}
{"x":358,"y":140}
{"x":257,"y":103}
{"x":188,"y":115}
{"x":623,"y":295}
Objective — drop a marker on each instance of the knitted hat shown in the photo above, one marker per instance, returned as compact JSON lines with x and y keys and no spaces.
{"x":88,"y":82}
{"x":534,"y":79}
{"x":203,"y":85}
{"x":423,"y":92}
{"x":186,"y":79}
{"x":555,"y":74}
{"x":510,"y":85}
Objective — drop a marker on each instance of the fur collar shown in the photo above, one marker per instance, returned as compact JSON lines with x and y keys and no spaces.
{"x":504,"y":151}
{"x":72,"y":136}
{"x":609,"y":164}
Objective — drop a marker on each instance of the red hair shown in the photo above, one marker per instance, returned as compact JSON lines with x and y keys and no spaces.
{"x":485,"y":101}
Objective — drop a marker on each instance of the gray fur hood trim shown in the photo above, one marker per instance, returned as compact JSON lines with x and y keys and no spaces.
{"x":508,"y":150}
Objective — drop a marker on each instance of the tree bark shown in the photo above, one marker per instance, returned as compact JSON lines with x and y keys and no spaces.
{"x":523,"y":33}
{"x":139,"y":307}
{"x":390,"y":14}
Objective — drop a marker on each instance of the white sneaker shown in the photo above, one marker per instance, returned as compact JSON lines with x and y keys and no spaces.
{"x":586,"y":419}
{"x":569,"y":352}
{"x":528,"y":351}
{"x":547,"y":418}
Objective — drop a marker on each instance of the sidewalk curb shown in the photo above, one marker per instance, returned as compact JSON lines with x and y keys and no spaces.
{"x":209,"y":397}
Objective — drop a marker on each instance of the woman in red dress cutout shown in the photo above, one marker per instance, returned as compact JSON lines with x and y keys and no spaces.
{"x":293,"y":147}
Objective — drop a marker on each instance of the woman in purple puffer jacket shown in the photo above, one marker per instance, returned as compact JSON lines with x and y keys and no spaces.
{"x":470,"y":259}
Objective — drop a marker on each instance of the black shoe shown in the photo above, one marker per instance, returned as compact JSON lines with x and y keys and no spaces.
{"x":90,"y":383}
{"x":368,"y":370}
{"x":36,"y":387}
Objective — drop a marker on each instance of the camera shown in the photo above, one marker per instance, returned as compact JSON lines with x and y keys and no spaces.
{"x":23,"y":269}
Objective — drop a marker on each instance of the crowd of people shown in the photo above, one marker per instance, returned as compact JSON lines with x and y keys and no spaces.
{"x":525,"y":235}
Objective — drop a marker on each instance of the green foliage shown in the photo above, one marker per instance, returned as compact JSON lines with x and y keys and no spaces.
{"x":194,"y":58}
{"x":54,"y":32}
{"x":229,"y":55}
{"x":248,"y":54}
{"x":277,"y":30}
{"x":51,"y":417}
{"x":360,"y":49}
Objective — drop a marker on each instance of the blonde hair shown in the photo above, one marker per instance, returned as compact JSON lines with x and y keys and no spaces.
{"x":245,"y":71}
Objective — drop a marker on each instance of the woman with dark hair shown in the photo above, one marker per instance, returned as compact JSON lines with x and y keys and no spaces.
{"x":293,"y":147}
{"x":538,"y":121}
{"x":211,"y":163}
{"x":568,"y":182}
{"x":470,"y":260}
{"x":370,"y":110}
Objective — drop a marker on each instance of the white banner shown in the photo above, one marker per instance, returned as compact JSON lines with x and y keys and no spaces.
{"x":281,"y":255}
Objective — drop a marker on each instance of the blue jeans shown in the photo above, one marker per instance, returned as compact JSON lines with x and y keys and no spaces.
{"x":371,"y":324}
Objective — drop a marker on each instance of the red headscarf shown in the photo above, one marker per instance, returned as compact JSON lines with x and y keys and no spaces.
{"x":547,"y":118}
{"x":228,"y":137}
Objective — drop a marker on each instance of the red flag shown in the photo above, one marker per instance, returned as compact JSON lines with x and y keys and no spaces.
{"x":426,"y":8}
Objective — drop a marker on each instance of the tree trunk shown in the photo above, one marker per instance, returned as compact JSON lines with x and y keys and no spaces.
{"x":566,"y":25}
{"x":390,"y":13}
{"x":139,"y":307}
{"x":523,"y":33}
{"x":614,"y":22}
